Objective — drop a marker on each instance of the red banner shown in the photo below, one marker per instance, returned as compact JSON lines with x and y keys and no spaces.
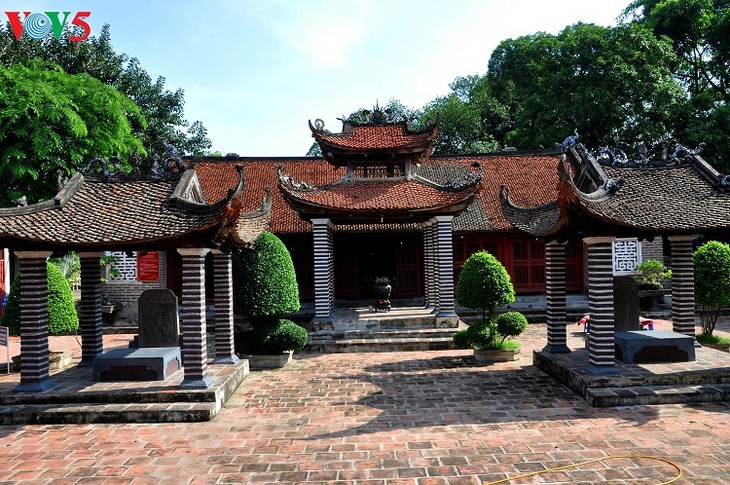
{"x":148,"y":266}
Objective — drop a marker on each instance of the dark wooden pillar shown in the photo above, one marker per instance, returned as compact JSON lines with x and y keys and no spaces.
{"x":194,"y":338}
{"x":90,"y":317}
{"x":600,"y":305}
{"x":683,"y":285}
{"x":225,"y":352}
{"x":34,"y":375}
{"x":555,"y":285}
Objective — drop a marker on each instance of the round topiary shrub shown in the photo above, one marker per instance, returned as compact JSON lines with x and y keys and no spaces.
{"x":484,"y":285}
{"x":510,"y":324}
{"x":264,"y":281}
{"x":62,"y":317}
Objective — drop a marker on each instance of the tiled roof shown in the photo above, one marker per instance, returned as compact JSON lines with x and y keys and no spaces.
{"x":682,"y":199}
{"x":668,"y":200}
{"x":368,"y":137}
{"x":387,"y":196}
{"x":96,"y":214}
{"x":531,"y":177}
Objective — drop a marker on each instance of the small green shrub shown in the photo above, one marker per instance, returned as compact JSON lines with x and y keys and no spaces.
{"x":653,"y":274}
{"x":264,"y":281}
{"x":712,"y":282}
{"x":484,"y":285}
{"x":62,"y":317}
{"x":510,"y":324}
{"x":492,"y":335}
{"x":269,"y":339}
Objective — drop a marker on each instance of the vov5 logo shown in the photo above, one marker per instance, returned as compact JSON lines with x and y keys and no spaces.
{"x":39,"y":25}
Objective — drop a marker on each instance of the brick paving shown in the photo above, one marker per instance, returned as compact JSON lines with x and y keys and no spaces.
{"x":416,"y":418}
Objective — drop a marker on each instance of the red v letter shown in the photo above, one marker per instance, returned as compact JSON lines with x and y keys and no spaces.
{"x":15,"y":23}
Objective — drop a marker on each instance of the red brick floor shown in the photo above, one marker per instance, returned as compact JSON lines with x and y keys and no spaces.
{"x":387,"y":418}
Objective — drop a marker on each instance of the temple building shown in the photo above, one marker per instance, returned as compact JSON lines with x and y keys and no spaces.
{"x":379,"y":204}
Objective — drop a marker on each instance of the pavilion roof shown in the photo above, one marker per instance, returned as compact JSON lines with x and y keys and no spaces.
{"x":374,"y":139}
{"x":133,"y":213}
{"x":531,"y":176}
{"x":688,"y":197}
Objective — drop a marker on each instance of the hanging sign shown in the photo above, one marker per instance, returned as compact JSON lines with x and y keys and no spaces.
{"x":148,"y":266}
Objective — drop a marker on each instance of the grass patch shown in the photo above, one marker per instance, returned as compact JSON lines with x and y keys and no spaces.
{"x":705,"y":339}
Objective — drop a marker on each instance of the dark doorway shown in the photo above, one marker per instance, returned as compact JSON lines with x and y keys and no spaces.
{"x":360,"y":259}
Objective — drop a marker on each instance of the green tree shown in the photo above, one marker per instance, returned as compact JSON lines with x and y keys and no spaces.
{"x":484,"y":285}
{"x":51,"y":120}
{"x":712,"y":282}
{"x":62,"y":317}
{"x":472,"y":120}
{"x":700,"y":34}
{"x":162,"y":108}
{"x":604,"y":82}
{"x":264,"y":288}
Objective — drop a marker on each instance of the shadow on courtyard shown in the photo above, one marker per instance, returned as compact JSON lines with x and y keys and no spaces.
{"x":456,"y":390}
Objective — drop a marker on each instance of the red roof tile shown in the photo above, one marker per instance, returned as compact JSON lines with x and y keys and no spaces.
{"x":531,"y":178}
{"x":378,"y":137}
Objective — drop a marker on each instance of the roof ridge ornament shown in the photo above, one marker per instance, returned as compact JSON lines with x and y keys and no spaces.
{"x":665,"y":152}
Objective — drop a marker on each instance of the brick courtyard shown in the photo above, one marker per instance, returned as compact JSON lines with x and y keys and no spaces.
{"x":387,"y":418}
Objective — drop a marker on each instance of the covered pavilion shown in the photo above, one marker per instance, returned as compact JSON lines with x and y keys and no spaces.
{"x":679,"y":198}
{"x":98,"y":212}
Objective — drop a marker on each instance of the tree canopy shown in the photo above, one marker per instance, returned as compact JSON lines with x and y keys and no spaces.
{"x":162,"y":108}
{"x":51,"y":120}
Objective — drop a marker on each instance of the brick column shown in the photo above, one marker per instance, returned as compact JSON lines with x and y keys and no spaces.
{"x":90,"y":318}
{"x":683,"y":285}
{"x":428,"y":265}
{"x":193,"y":325}
{"x":324,"y":281}
{"x":555,"y":285}
{"x":445,"y":262}
{"x":600,"y":305}
{"x":225,"y":353}
{"x":33,"y":322}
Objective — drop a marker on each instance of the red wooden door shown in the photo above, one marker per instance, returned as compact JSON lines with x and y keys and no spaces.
{"x":408,"y":264}
{"x":528,"y":266}
{"x":347,"y":274}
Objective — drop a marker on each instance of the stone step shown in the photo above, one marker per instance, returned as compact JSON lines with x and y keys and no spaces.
{"x":629,"y":396}
{"x":84,"y":413}
{"x":382,"y":340}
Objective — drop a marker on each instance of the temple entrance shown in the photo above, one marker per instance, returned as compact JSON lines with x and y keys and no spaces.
{"x":360,"y":259}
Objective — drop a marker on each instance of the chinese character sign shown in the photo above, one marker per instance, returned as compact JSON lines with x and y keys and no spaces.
{"x":626,"y":256}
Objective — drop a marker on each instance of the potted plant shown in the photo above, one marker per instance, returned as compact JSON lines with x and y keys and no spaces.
{"x":264,"y":289}
{"x":650,"y":281}
{"x":484,"y":285}
{"x":492,"y":341}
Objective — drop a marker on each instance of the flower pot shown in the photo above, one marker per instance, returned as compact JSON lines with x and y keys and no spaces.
{"x":57,"y":360}
{"x":261,"y":362}
{"x":496,"y":355}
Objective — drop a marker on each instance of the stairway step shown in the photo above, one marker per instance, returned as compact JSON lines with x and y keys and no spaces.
{"x":78,"y":413}
{"x":629,"y":396}
{"x":383,"y":345}
{"x":385,"y":334}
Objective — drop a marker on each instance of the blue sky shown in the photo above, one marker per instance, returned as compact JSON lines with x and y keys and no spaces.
{"x":254,"y":72}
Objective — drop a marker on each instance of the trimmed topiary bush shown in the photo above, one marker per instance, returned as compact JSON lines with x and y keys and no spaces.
{"x":265,"y":287}
{"x":264,"y":281}
{"x":510,"y":324}
{"x":484,"y":285}
{"x":712,"y":282}
{"x":62,"y":317}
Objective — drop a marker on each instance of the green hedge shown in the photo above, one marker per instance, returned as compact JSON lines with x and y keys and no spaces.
{"x":62,"y":317}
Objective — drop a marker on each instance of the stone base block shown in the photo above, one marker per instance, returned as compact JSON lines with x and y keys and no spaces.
{"x":143,"y":364}
{"x":658,"y":346}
